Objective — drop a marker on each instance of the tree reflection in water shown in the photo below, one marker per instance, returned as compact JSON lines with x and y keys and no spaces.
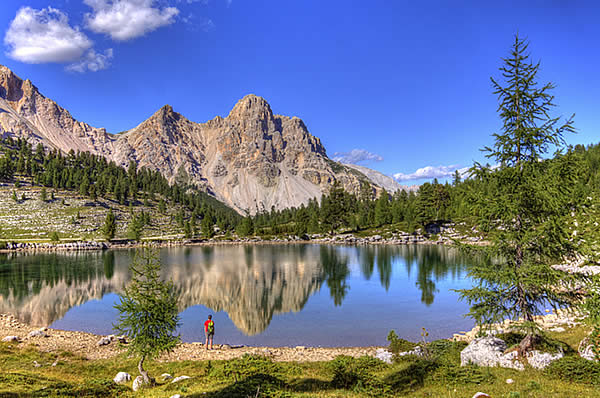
{"x":335,"y":267}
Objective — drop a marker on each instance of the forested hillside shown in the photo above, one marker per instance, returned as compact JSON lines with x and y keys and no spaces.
{"x":93,"y":177}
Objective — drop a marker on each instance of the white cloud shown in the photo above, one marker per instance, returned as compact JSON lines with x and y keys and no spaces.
{"x":127,"y":19}
{"x":356,"y":156}
{"x":39,"y":36}
{"x":92,"y":61}
{"x":430,"y":172}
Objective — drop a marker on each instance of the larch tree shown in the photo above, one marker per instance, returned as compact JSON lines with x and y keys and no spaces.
{"x":148,"y":312}
{"x":527,"y":205}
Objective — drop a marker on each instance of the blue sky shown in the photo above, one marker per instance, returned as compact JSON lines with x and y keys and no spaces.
{"x":403,"y":84}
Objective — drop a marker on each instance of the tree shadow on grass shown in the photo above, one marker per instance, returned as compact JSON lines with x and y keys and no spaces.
{"x":250,"y":386}
{"x":309,"y":385}
{"x":32,"y":385}
{"x":412,"y":377}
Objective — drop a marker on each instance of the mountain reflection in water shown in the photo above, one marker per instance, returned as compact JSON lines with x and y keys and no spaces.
{"x":251,"y":283}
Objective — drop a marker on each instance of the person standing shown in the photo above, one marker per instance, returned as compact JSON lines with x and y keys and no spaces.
{"x":209,"y":331}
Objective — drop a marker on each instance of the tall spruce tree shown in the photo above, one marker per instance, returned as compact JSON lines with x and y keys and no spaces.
{"x":148,"y":312}
{"x":526,"y":199}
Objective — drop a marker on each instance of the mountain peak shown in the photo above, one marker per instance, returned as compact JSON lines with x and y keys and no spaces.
{"x":164,"y":113}
{"x":251,"y":107}
{"x":10,"y":85}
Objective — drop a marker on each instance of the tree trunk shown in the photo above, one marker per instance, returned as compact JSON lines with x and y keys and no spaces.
{"x":147,"y":379}
{"x":528,"y":343}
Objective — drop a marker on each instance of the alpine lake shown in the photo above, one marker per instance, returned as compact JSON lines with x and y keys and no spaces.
{"x":259,"y":294}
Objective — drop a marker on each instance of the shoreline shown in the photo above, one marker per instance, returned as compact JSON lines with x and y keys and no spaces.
{"x":88,"y":345}
{"x":344,"y":239}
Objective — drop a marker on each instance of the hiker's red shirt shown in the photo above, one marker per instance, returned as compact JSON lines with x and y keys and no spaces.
{"x":206,"y":325}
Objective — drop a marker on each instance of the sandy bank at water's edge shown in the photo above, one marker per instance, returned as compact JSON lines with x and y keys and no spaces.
{"x":86,"y":344}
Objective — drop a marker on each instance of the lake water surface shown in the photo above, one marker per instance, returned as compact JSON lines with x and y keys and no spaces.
{"x":262,"y":295}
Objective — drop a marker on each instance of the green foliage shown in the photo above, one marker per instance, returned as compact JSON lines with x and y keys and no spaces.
{"x":357,"y":374}
{"x":591,"y":307}
{"x":412,"y":376}
{"x":245,"y":227}
{"x":453,"y":375}
{"x":544,"y":344}
{"x":135,"y":228}
{"x":94,"y":176}
{"x":398,"y":345}
{"x":250,"y":365}
{"x":526,"y":200}
{"x":206,"y":227}
{"x":43,"y":195}
{"x":50,"y":387}
{"x":575,"y":369}
{"x":110,"y":226}
{"x":148,"y":312}
{"x":162,"y":206}
{"x":54,"y":237}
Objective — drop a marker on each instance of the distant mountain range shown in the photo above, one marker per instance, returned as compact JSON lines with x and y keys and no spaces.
{"x":252,"y":160}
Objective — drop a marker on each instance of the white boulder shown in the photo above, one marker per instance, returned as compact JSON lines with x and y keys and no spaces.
{"x":179,"y":378}
{"x":489,"y":351}
{"x":122,"y":378}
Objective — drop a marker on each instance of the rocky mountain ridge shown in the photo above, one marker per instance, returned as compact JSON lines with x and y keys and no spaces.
{"x":253,"y":160}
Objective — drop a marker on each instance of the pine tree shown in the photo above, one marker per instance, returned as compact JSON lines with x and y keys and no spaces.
{"x":207,"y":227}
{"x":382,"y":209}
{"x":148,"y":312}
{"x":528,"y":197}
{"x":162,"y":207}
{"x":135,"y":227}
{"x":110,"y":226}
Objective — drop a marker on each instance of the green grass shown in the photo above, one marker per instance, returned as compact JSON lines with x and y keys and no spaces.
{"x":33,"y":220}
{"x":440,"y":376}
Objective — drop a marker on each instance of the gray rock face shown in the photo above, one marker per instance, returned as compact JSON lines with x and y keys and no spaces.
{"x":104,"y":341}
{"x":539,"y":360}
{"x":122,"y":378}
{"x":11,"y":339}
{"x":179,"y":378}
{"x":251,"y":160}
{"x":489,"y":351}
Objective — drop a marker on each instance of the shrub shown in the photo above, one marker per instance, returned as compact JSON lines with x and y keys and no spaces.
{"x":54,"y":237}
{"x":356,"y":374}
{"x":397,"y":344}
{"x":574,"y":368}
{"x":249,"y":365}
{"x":454,"y":374}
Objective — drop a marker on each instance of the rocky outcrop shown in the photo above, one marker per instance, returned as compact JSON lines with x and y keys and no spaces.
{"x":385,"y":182}
{"x":252,"y":159}
{"x":491,"y":351}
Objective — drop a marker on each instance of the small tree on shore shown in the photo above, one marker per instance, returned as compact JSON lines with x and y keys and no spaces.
{"x":110,"y":226}
{"x":148,"y":312}
{"x":528,"y":199}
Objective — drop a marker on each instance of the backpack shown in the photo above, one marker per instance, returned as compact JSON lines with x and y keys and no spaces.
{"x":210,"y":327}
